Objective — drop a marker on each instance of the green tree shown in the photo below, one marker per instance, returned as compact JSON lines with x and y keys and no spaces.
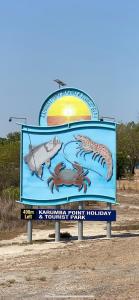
{"x":9,"y":161}
{"x":127,"y":148}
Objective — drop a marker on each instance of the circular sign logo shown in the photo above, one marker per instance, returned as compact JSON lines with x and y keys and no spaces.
{"x":67,"y":105}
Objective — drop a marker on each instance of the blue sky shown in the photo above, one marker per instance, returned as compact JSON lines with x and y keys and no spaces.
{"x":92,"y":45}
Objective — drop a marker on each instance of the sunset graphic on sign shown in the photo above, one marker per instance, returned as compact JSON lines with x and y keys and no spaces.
{"x":68,"y":109}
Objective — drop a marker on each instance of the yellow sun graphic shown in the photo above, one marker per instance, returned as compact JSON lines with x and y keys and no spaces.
{"x":68,"y":109}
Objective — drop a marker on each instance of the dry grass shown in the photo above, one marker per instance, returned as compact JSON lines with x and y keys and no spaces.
{"x":55,"y":268}
{"x":42,"y":278}
{"x":9,"y":215}
{"x":11,"y":281}
{"x":131,"y":185}
{"x":10,"y":221}
{"x":63,"y":235}
{"x":28,"y":278}
{"x":125,"y":227}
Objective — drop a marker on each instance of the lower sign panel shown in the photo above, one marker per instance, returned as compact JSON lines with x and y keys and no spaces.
{"x":68,"y":215}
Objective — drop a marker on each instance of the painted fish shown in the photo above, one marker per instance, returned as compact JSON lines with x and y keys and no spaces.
{"x":100,"y":151}
{"x":40,"y":155}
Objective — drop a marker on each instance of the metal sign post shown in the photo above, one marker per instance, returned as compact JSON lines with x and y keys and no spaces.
{"x":29,"y":231}
{"x":109,"y":206}
{"x":29,"y":228}
{"x":80,"y":225}
{"x":57,"y":228}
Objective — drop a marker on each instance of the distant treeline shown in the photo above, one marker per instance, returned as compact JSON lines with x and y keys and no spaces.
{"x":127,"y":149}
{"x":9,"y":165}
{"x":127,"y":156}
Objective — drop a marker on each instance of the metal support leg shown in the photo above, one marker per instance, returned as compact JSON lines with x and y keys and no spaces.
{"x":109,"y":206}
{"x":57,"y":228}
{"x":80,"y":225}
{"x":29,"y":227}
{"x":29,"y":231}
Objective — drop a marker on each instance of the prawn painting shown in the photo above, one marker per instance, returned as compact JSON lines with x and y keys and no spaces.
{"x":98,"y":151}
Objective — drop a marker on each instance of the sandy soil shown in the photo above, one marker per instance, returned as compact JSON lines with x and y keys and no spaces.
{"x":96,"y":268}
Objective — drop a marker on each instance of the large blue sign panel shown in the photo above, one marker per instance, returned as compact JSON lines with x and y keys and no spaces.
{"x":72,"y":162}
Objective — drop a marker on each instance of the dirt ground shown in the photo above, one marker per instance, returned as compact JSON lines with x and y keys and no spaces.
{"x":95,"y":268}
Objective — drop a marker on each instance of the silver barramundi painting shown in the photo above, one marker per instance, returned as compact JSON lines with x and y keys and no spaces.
{"x":41,"y":154}
{"x":67,"y":163}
